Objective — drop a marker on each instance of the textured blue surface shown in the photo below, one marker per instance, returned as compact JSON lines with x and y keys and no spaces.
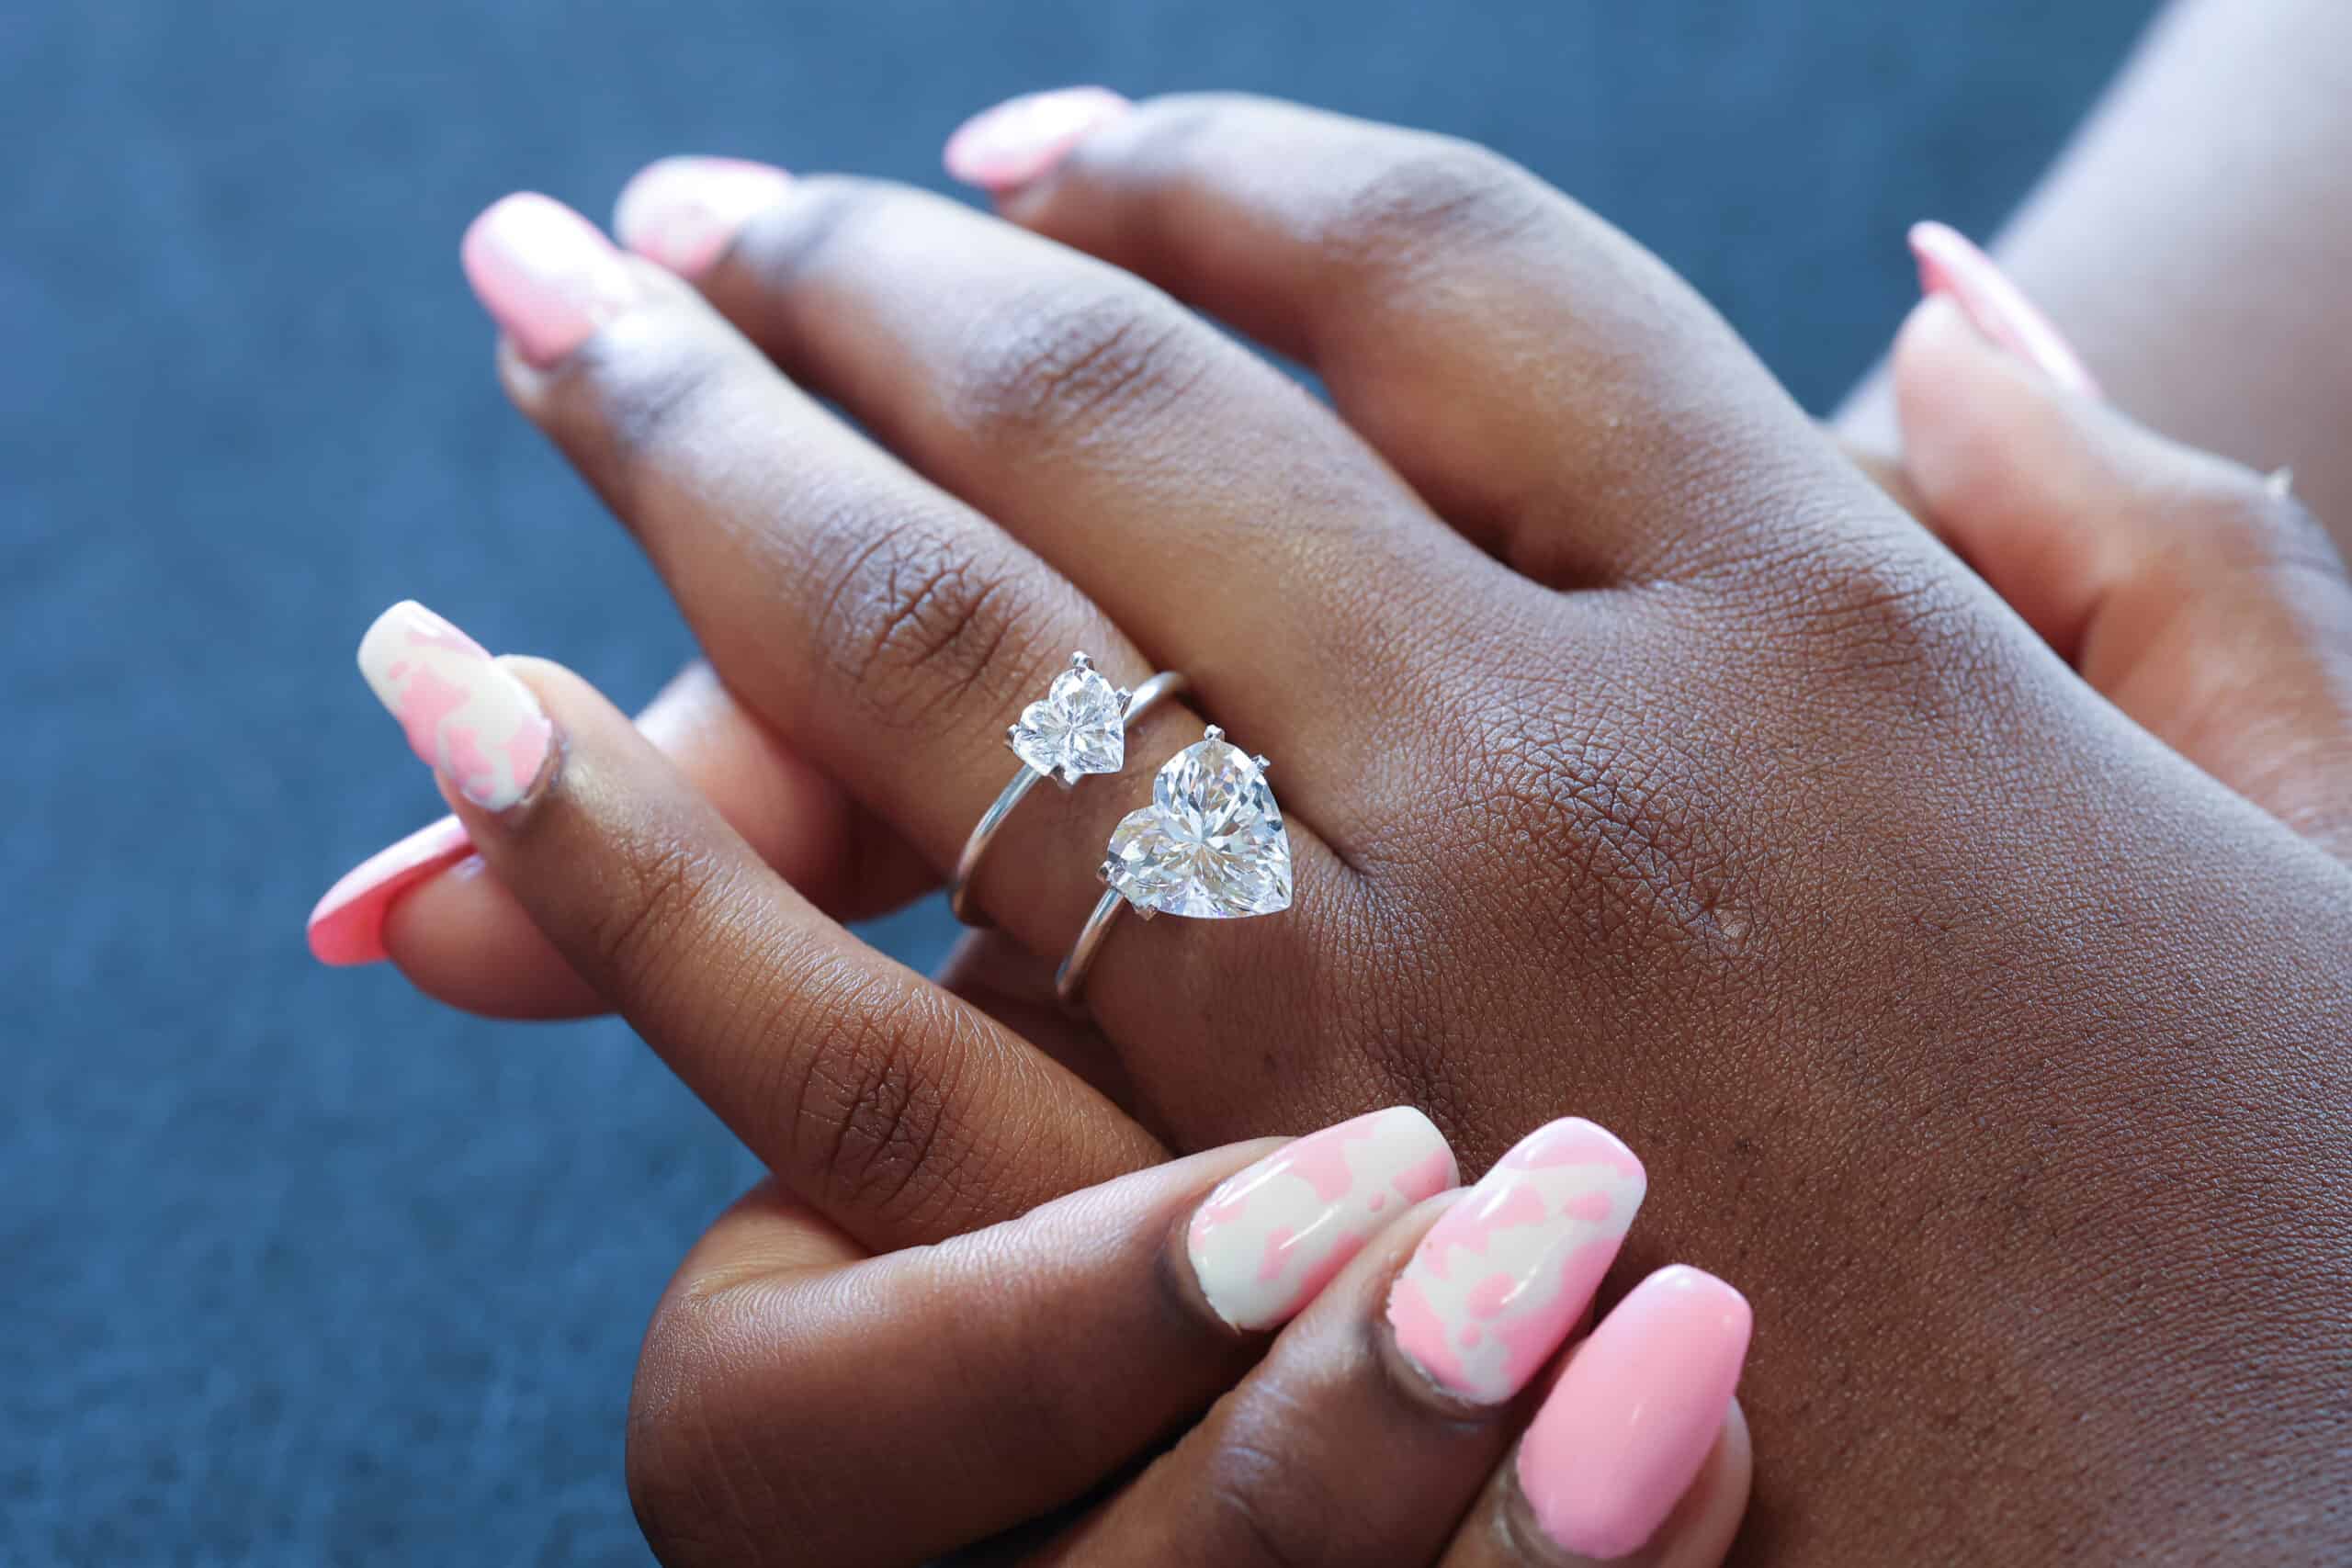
{"x":298,"y":1267}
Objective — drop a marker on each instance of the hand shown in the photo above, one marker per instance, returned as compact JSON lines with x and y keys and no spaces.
{"x":1681,"y":777}
{"x":802,"y":1401}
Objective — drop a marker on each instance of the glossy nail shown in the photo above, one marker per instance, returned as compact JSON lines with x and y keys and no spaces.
{"x":1022,"y":138}
{"x":544,"y":275}
{"x":1624,"y":1432}
{"x":347,"y":925}
{"x":1494,"y":1288}
{"x":1950,"y":264}
{"x":471,"y":721}
{"x":1270,"y":1237}
{"x":685,"y":212}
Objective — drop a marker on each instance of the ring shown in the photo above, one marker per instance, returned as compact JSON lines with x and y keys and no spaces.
{"x":1210,"y":847}
{"x":1078,"y":726}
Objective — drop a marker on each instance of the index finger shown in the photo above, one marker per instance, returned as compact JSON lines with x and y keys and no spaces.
{"x":898,"y":1110}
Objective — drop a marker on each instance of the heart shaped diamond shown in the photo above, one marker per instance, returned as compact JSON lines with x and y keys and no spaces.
{"x":1080,"y":727}
{"x":1211,"y":843}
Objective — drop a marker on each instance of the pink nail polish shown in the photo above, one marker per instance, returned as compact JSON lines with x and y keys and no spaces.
{"x":1022,"y":138}
{"x":1950,"y":264}
{"x":544,"y":275}
{"x":1267,"y":1241}
{"x":470,"y":721}
{"x":1624,"y":1432}
{"x":1497,"y":1284}
{"x":685,"y":212}
{"x":347,"y":925}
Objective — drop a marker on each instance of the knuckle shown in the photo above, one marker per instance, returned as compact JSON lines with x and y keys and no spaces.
{"x":1265,"y":1500}
{"x":1056,"y":363}
{"x":918,"y":613}
{"x":1599,"y":825}
{"x":870,"y":1101}
{"x":1432,"y":191}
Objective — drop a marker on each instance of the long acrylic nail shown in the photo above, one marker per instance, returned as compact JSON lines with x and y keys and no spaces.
{"x":1950,"y":264}
{"x":347,"y":925}
{"x":1624,"y":1432}
{"x":544,"y":275}
{"x":471,"y":721}
{"x":685,"y":212}
{"x":1270,"y":1237}
{"x":1494,"y":1288}
{"x":1022,"y":138}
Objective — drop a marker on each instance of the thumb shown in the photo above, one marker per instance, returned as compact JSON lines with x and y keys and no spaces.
{"x":2192,"y":592}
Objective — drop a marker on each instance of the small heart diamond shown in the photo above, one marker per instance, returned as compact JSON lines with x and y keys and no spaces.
{"x":1079,"y":729}
{"x":1211,"y":843}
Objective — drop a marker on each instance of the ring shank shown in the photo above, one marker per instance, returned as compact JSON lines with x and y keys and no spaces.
{"x":1141,"y":701}
{"x":1070,"y":980}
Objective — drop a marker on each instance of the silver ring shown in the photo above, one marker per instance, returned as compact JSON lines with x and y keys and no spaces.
{"x":1210,"y":846}
{"x":1078,"y":726}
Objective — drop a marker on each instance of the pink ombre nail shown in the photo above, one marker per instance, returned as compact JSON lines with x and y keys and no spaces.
{"x":1494,"y":1287}
{"x":1950,"y":264}
{"x":465,"y":716}
{"x":1624,"y":1432}
{"x":347,"y":925}
{"x":544,"y":275}
{"x":1022,"y":138}
{"x":1267,"y":1241}
{"x":685,"y":212}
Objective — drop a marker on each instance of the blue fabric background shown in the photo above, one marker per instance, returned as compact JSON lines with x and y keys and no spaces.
{"x":298,"y":1267}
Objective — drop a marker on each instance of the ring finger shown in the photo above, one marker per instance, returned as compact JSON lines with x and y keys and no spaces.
{"x":886,"y":628}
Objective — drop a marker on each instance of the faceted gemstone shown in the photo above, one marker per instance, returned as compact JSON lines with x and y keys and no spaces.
{"x":1211,"y":843}
{"x":1078,"y":729}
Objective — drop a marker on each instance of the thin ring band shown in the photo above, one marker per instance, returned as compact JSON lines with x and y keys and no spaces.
{"x":1141,"y":701}
{"x":1070,"y":980}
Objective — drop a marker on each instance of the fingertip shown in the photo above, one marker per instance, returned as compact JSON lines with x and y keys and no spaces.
{"x":347,"y":925}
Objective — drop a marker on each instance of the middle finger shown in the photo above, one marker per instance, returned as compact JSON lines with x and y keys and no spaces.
{"x":1212,"y":507}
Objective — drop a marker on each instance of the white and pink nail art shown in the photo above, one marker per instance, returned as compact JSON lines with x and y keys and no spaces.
{"x":1268,"y":1240}
{"x":469,"y":720}
{"x":1494,"y":1287}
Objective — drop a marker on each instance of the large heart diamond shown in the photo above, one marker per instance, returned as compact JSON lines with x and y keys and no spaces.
{"x":1079,"y":729}
{"x":1211,"y":843}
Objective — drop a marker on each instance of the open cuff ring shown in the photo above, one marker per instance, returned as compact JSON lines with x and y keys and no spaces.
{"x":1078,"y":726}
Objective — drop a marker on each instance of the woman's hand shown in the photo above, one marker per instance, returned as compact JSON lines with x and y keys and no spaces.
{"x":803,"y":1401}
{"x":1637,"y":755}
{"x":802,"y":1398}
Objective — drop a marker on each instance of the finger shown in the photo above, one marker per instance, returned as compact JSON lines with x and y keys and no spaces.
{"x":897,"y":1408}
{"x":461,"y":937}
{"x":1639,"y":1456}
{"x":1146,"y":455}
{"x":1016,"y":989}
{"x":899,"y":1112}
{"x":1527,"y":368}
{"x":2195,"y":594}
{"x":888,"y":631}
{"x":1378,"y":1415}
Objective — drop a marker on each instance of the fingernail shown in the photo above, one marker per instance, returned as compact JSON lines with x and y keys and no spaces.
{"x":544,"y":275}
{"x":1624,"y":1432}
{"x":471,"y":722}
{"x":1269,"y":1238}
{"x":1494,"y":1287}
{"x":684,"y":212}
{"x":1950,"y":264}
{"x":347,"y":925}
{"x":1022,"y":138}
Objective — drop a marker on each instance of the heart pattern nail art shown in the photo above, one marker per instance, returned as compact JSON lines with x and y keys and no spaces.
{"x":1210,"y":845}
{"x":1080,"y":726}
